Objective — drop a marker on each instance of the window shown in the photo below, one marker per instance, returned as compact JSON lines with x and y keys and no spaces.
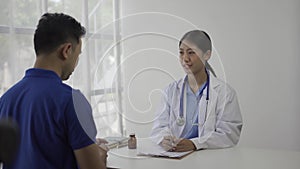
{"x":97,"y":75}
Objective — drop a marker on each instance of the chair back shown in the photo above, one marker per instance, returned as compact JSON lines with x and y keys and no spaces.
{"x":9,"y":140}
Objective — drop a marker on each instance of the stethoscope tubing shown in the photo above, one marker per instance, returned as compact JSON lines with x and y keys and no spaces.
{"x":182,"y":96}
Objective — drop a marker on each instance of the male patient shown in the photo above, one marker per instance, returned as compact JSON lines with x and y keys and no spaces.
{"x":49,"y":112}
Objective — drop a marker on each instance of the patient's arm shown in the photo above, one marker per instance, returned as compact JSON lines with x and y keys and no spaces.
{"x":91,"y":157}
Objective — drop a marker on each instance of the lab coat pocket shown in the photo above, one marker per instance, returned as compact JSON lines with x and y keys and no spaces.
{"x":210,"y":123}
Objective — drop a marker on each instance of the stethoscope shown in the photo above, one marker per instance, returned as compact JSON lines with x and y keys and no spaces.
{"x":180,"y":119}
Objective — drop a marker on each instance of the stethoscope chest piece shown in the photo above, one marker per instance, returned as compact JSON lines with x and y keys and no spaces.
{"x":180,"y":121}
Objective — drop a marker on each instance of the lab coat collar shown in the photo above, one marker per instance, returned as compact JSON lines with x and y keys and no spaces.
{"x":214,"y":82}
{"x":180,"y":82}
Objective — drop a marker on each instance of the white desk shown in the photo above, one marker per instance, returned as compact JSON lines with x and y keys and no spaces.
{"x":230,"y":158}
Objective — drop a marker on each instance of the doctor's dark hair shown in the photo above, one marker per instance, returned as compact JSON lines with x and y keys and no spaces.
{"x":55,"y":29}
{"x":202,"y":40}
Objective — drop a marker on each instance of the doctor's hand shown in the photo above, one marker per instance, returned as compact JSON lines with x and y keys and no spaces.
{"x":184,"y":145}
{"x":169,"y":143}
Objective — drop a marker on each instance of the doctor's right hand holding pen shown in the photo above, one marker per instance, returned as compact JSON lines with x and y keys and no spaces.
{"x":171,"y":143}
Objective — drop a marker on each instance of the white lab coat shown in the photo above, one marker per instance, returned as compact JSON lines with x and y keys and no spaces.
{"x":223,"y":124}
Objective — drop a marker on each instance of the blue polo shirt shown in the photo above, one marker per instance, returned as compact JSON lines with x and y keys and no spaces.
{"x":47,"y":112}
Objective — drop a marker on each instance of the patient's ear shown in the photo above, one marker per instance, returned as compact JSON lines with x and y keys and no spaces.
{"x":66,"y":50}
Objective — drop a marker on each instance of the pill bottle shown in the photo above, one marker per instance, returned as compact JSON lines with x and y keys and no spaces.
{"x":132,"y":141}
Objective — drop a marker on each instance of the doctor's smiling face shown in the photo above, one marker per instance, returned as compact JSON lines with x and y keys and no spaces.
{"x":192,"y":58}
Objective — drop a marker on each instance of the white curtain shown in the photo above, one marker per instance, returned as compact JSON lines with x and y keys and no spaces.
{"x":98,"y":74}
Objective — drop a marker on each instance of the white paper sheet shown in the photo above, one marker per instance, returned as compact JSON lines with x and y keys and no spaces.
{"x":152,"y":149}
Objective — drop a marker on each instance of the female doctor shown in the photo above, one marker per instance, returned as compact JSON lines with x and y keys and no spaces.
{"x":198,"y":111}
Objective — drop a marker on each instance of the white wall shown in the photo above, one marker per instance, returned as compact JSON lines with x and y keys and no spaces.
{"x":256,"y":51}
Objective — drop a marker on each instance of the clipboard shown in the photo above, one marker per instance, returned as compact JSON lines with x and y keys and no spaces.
{"x":154,"y":150}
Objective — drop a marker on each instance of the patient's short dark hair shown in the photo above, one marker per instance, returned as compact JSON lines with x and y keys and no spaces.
{"x":55,"y":29}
